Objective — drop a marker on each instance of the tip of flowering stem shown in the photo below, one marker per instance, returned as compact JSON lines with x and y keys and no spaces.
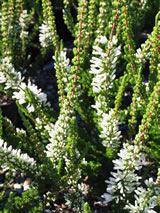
{"x":157,"y":18}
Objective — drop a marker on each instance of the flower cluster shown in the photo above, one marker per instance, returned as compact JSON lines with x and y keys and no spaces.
{"x":75,"y":197}
{"x":103,"y":15}
{"x":103,"y":66}
{"x":45,"y":35}
{"x":14,"y":80}
{"x":144,"y":3}
{"x":23,"y":22}
{"x":103,"y":78}
{"x":20,"y":95}
{"x":124,"y":180}
{"x":58,"y":136}
{"x":63,"y":64}
{"x":145,"y":198}
{"x":140,"y":57}
{"x":110,"y":133}
{"x":107,"y":100}
{"x":15,"y":157}
{"x":8,"y":75}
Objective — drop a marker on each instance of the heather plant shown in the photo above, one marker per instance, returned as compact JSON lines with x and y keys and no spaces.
{"x":95,"y":130}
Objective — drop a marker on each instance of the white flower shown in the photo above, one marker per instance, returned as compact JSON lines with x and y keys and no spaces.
{"x":24,"y":34}
{"x":20,"y":96}
{"x":102,"y":39}
{"x":8,"y":70}
{"x":23,"y":22}
{"x":100,"y":105}
{"x":75,"y":197}
{"x":108,"y":198}
{"x":42,"y":97}
{"x":9,"y":155}
{"x":146,"y":84}
{"x":45,"y":35}
{"x":2,"y":77}
{"x":21,"y":131}
{"x":63,"y":63}
{"x":83,"y":188}
{"x":100,"y":60}
{"x":124,"y":181}
{"x":145,"y":198}
{"x":144,"y":3}
{"x":30,"y":108}
{"x":23,"y":19}
{"x":98,"y":51}
{"x":58,"y":137}
{"x":110,"y":130}
{"x":114,"y":40}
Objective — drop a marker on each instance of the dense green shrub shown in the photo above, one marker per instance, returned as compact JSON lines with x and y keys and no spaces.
{"x":109,"y":98}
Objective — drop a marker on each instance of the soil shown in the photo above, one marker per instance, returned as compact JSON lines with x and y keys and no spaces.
{"x":5,"y":99}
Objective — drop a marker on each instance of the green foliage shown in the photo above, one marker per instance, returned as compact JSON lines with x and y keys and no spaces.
{"x":87,"y":208}
{"x":154,"y":147}
{"x":102,"y":89}
{"x":28,"y":202}
{"x":1,"y":123}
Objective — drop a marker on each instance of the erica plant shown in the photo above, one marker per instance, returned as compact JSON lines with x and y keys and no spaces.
{"x":100,"y":144}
